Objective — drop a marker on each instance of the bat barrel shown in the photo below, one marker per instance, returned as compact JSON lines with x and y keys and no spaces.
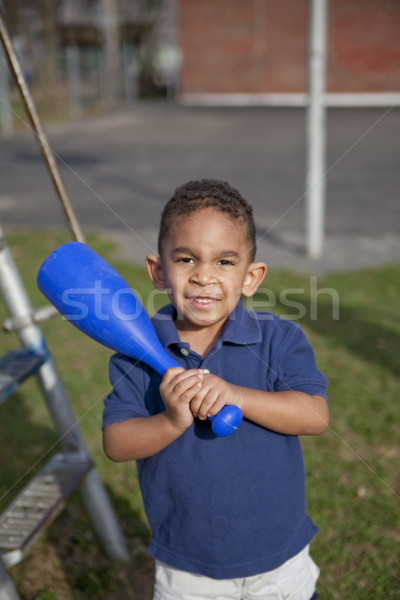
{"x":94,"y":297}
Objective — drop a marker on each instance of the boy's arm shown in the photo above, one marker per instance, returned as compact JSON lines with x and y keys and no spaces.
{"x":288,"y":412}
{"x":141,"y":437}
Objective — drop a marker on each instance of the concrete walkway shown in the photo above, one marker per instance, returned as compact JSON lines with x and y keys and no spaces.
{"x":120,"y":168}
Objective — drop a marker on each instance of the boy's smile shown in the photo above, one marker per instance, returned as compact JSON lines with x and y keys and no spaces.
{"x":205,"y":268}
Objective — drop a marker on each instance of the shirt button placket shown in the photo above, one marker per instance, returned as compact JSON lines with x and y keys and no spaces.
{"x":193,"y":361}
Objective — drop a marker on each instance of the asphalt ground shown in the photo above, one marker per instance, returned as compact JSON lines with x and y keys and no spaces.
{"x":120,"y":167}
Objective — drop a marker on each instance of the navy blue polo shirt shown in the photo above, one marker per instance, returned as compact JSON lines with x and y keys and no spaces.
{"x":224,"y":507}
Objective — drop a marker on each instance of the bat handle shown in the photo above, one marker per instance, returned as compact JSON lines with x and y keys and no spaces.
{"x":226,"y":421}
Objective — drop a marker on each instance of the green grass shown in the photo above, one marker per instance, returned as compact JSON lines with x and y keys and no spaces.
{"x":352,"y":470}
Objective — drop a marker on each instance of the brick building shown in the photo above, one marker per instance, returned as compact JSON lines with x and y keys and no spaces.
{"x":259,"y":47}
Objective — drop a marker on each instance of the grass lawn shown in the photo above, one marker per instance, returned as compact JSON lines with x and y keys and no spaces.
{"x":353,"y":484}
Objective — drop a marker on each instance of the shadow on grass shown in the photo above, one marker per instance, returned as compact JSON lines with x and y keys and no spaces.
{"x":363,"y":334}
{"x":24,"y":446}
{"x":88,"y":571}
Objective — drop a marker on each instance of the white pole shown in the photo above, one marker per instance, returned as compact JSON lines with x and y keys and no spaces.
{"x":7,"y":589}
{"x":315,"y":177}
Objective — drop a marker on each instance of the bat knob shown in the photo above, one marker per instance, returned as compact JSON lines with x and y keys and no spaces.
{"x":227,"y":421}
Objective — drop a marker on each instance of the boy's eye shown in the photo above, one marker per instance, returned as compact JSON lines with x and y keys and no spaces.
{"x":184,"y":259}
{"x":225,"y":262}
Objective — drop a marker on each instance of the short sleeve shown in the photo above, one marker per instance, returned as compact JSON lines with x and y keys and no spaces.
{"x":127,"y":399}
{"x":296,"y":368}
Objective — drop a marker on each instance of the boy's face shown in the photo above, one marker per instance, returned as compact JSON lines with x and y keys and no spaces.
{"x":205,"y":268}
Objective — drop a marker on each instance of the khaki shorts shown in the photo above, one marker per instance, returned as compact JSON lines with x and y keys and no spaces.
{"x":294,"y":580}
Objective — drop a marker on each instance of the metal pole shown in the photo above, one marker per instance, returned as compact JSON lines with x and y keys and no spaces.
{"x":7,"y":589}
{"x":40,"y":135}
{"x":315,"y":177}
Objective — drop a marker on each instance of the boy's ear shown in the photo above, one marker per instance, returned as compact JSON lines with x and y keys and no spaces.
{"x":154,"y":269}
{"x":254,"y":277}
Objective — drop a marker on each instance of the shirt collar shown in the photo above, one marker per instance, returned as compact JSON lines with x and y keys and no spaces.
{"x":241,"y":328}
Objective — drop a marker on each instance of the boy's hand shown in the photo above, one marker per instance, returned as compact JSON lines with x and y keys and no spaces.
{"x":214,"y":394}
{"x":178,"y":388}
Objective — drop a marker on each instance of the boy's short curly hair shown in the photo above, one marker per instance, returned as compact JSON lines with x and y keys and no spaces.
{"x":208,"y":193}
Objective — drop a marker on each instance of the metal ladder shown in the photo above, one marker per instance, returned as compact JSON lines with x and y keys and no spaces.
{"x":42,"y":499}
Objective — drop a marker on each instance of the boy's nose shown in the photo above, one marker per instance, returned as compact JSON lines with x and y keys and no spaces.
{"x":204,"y":275}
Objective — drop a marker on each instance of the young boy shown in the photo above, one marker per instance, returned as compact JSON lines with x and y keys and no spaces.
{"x":228,"y":515}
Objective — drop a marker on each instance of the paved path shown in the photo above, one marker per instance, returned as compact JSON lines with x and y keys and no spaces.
{"x":120,"y":168}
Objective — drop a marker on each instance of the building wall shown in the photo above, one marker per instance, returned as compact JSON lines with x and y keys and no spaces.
{"x":364,"y":45}
{"x":260,"y":46}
